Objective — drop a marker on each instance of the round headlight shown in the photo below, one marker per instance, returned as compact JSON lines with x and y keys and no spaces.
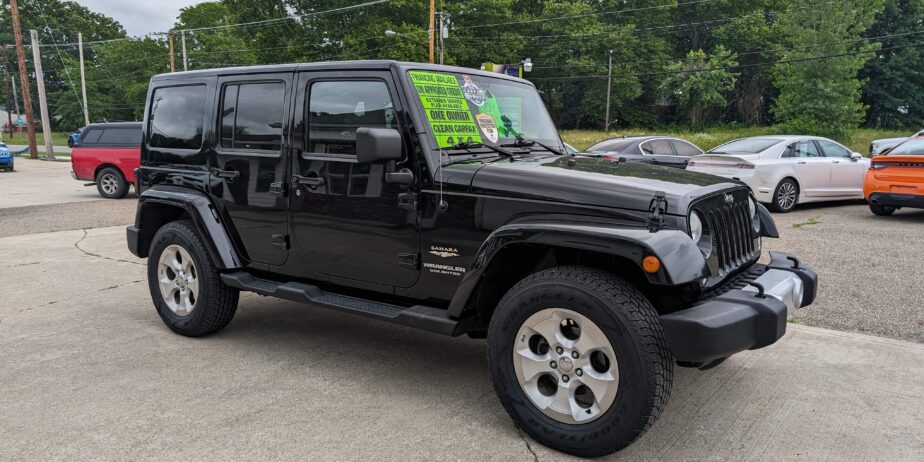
{"x":696,"y":227}
{"x":755,"y":220}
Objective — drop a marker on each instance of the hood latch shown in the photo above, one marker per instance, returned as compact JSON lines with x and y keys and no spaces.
{"x":656,"y":210}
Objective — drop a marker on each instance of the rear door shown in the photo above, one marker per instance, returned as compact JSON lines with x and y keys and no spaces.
{"x":847,"y":174}
{"x":249,"y":168}
{"x":684,"y":151}
{"x":813,"y":170}
{"x":659,"y":152}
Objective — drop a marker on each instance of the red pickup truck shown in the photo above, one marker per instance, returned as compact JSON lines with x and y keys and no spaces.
{"x":107,"y":154}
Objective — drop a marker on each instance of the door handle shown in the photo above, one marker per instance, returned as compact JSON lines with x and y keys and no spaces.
{"x":310,"y":181}
{"x":801,"y":162}
{"x":226,"y":174}
{"x":836,"y":162}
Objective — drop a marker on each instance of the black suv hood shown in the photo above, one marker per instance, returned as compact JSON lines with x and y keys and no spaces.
{"x":596,"y":181}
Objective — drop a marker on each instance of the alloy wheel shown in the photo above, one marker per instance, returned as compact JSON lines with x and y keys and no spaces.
{"x":178,"y":280}
{"x":109,"y":183}
{"x":786,"y":197}
{"x":568,"y":368}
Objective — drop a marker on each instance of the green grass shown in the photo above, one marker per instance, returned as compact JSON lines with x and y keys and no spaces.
{"x":22,"y":139}
{"x":707,"y":138}
{"x":810,"y":221}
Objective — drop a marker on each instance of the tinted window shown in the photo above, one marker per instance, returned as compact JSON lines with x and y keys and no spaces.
{"x":121,"y":136}
{"x":611,"y":145}
{"x":252,"y":116}
{"x":177,"y":117}
{"x":337,"y":109}
{"x":833,"y":149}
{"x":685,"y":149}
{"x":802,"y":149}
{"x":909,"y":148}
{"x":747,"y":146}
{"x":91,"y":136}
{"x":657,"y":148}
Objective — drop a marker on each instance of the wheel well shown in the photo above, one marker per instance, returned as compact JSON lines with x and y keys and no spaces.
{"x":154,"y":216}
{"x":102,"y":166}
{"x":517,"y":261}
{"x":788,"y":177}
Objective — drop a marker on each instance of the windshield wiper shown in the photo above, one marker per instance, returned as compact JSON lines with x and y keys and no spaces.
{"x":473,"y":145}
{"x":522,"y":141}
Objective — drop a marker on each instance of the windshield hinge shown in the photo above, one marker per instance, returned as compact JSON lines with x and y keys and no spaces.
{"x":656,"y":210}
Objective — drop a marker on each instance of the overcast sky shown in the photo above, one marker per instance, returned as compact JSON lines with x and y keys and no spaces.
{"x":140,"y":17}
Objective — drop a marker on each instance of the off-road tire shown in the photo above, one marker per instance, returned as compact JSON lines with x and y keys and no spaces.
{"x":881,"y":210}
{"x":630,"y":323}
{"x":775,"y":203}
{"x":114,"y":176}
{"x":216,"y":302}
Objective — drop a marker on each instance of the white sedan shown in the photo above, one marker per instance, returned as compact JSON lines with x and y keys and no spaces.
{"x":783,"y":171}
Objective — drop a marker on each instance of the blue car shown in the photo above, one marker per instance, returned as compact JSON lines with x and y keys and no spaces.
{"x":6,"y":157}
{"x":71,"y":140}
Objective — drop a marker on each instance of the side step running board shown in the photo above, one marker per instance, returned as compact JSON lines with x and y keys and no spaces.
{"x":417,"y":316}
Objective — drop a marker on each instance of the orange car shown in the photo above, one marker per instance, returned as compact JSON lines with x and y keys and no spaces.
{"x":896,"y":179}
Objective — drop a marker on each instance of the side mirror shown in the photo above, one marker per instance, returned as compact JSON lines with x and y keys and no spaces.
{"x":855,"y":156}
{"x":375,"y":145}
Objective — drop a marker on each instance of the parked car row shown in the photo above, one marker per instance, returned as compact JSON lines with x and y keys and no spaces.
{"x":783,"y":171}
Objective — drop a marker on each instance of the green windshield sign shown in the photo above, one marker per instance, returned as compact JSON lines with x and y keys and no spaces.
{"x":446,"y":108}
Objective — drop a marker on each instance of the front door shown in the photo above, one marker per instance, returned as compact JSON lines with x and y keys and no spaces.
{"x":812,"y":170}
{"x":846,"y":174}
{"x":346,"y":220}
{"x":249,"y":166}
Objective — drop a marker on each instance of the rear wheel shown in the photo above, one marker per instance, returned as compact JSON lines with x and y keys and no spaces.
{"x":785,"y":197}
{"x":111,"y":184}
{"x":579,"y":360}
{"x":185,"y":287}
{"x":881,"y":210}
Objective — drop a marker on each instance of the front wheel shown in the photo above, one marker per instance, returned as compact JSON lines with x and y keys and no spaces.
{"x":881,"y":210}
{"x":579,"y":360}
{"x":785,"y":197}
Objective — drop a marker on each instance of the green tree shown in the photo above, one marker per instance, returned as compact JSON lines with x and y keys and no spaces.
{"x":700,"y":81}
{"x":817,"y":78}
{"x":894,"y":90}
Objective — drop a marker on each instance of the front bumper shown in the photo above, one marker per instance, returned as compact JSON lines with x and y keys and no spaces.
{"x":6,"y":161}
{"x":743,"y":318}
{"x":897,"y":200}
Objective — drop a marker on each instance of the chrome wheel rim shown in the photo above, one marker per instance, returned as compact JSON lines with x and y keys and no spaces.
{"x":566,"y":366}
{"x":108,"y":183}
{"x":178,"y":280}
{"x":786,"y":197}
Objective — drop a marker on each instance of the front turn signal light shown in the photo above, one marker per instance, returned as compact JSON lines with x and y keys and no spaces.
{"x":651,"y":264}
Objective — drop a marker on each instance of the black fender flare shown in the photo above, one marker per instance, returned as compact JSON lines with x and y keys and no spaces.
{"x":681,"y":259}
{"x":201,"y":210}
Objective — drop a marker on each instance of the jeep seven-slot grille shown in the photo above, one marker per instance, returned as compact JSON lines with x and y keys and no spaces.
{"x":731,"y":233}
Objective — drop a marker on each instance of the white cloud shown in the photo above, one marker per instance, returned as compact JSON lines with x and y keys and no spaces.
{"x":140,"y":17}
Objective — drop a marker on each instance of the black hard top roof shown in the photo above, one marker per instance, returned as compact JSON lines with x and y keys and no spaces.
{"x":332,"y":66}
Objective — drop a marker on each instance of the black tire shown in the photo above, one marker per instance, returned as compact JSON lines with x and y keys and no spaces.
{"x":881,"y":210}
{"x":631,"y":325}
{"x":111,"y":183}
{"x":216,"y":303}
{"x":70,"y":142}
{"x":781,"y":189}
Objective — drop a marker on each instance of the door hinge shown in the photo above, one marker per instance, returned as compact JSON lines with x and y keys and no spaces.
{"x":408,"y":260}
{"x":407,"y":201}
{"x":281,"y":241}
{"x":277,"y":188}
{"x":656,"y":210}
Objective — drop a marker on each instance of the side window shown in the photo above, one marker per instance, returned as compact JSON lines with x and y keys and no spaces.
{"x":121,"y":136}
{"x":251,"y":116}
{"x":802,"y":149}
{"x":337,"y":109}
{"x":685,"y":149}
{"x":91,"y":136}
{"x":833,"y":149}
{"x":657,"y":148}
{"x":177,"y":117}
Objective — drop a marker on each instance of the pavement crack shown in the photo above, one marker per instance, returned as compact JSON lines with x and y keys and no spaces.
{"x":119,"y":285}
{"x":529,"y":447}
{"x":77,"y":245}
{"x":24,"y":264}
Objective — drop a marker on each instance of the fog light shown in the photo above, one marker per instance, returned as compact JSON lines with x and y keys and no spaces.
{"x":651,"y":264}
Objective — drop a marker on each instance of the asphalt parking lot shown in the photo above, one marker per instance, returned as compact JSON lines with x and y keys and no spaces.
{"x":89,"y":370}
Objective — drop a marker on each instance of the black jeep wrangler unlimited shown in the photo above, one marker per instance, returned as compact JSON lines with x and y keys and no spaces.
{"x":441,"y":198}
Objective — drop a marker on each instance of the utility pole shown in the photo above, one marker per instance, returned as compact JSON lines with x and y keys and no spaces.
{"x":172,"y":64}
{"x":609,"y":87}
{"x":442,"y":37}
{"x":43,"y":103}
{"x":183,"y":44}
{"x":23,"y":78}
{"x":432,"y":14}
{"x":83,"y":81}
{"x":9,"y":90}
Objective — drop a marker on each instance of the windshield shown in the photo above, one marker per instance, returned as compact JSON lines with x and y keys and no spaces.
{"x":913,"y":147}
{"x":747,"y":145}
{"x":462,"y":108}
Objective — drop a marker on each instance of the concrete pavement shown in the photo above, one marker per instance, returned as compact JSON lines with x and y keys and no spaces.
{"x":38,"y":182}
{"x":89,"y":371}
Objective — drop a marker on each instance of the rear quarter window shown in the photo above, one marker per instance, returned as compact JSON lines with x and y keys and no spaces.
{"x":120,"y":137}
{"x":177,"y":117}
